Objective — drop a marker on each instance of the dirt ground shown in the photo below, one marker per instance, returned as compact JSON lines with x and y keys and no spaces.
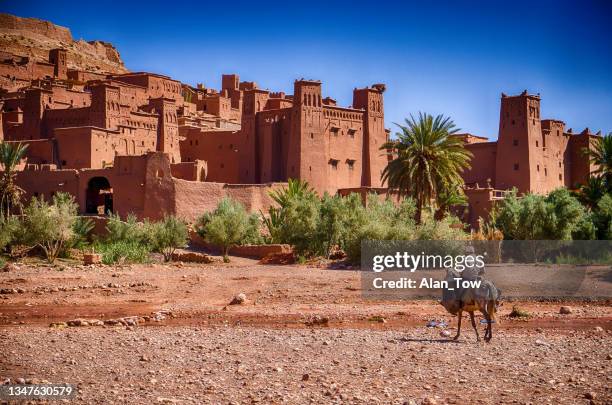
{"x":163,"y":333}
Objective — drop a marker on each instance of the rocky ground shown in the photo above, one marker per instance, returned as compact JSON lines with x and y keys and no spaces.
{"x":300,"y":334}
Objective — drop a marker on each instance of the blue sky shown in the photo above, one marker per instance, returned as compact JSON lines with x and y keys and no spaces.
{"x":451,"y":57}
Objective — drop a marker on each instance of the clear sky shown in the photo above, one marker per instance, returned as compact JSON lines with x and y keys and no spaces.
{"x":451,"y":57}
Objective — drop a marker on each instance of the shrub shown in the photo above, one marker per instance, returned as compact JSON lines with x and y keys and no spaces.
{"x":228,"y":225}
{"x":602,"y":217}
{"x":557,"y":216}
{"x":168,"y":235}
{"x":81,"y":235}
{"x":50,"y":226}
{"x":123,"y":252}
{"x":129,"y":230}
{"x":9,"y":232}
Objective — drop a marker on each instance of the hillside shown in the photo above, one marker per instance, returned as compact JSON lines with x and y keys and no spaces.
{"x":33,"y":37}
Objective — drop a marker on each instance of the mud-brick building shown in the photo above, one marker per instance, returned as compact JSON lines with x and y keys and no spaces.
{"x":148,"y":144}
{"x":531,"y":154}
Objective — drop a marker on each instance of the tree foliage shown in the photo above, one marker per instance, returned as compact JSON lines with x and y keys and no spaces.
{"x":50,"y":226}
{"x":428,"y":161}
{"x":228,"y":225}
{"x":556,"y":216}
{"x":10,"y":193}
{"x":168,"y":235}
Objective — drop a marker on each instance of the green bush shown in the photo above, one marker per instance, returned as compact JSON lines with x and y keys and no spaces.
{"x":9,"y":232}
{"x":557,"y":216}
{"x":602,"y":217}
{"x":168,"y":235}
{"x":228,"y":225}
{"x":50,"y":226}
{"x":129,"y":230}
{"x":123,"y":252}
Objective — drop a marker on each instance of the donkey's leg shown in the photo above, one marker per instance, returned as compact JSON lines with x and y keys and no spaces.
{"x":459,"y":316}
{"x":488,"y":330}
{"x":474,"y":325}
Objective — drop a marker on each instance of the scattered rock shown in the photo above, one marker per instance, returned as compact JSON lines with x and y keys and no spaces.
{"x":192,"y":257}
{"x":9,"y":267}
{"x":305,"y":377}
{"x":429,"y":401}
{"x":589,"y":395}
{"x":598,"y":329}
{"x":239,"y":299}
{"x":377,"y":318}
{"x":540,"y":342}
{"x":445,"y":333}
{"x":77,"y":322}
{"x":565,"y":310}
{"x":92,"y":258}
{"x":317,"y":320}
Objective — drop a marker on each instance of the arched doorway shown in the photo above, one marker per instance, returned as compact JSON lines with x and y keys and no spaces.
{"x":99,"y":199}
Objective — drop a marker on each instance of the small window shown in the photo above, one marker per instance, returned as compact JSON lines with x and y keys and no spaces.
{"x":538,"y":167}
{"x":515,"y":142}
{"x":222,"y":165}
{"x":350,"y":163}
{"x":560,"y":177}
{"x":513,"y":122}
{"x":351,"y":132}
{"x":334,"y":163}
{"x":559,"y":164}
{"x":311,"y":135}
{"x":537,"y":144}
{"x":545,"y":172}
{"x":516,"y":166}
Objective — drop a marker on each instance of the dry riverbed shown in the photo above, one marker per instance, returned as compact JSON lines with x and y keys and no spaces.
{"x":161,"y":333}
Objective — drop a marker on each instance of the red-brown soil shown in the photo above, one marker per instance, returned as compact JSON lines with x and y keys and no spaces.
{"x":304,"y":335}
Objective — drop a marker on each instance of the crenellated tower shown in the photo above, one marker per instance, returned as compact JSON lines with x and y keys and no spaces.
{"x":520,"y":143}
{"x":307,"y":146}
{"x":370,"y":99}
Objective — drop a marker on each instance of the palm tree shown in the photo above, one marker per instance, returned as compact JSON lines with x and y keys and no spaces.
{"x":428,"y":159}
{"x":590,"y":193}
{"x":10,"y":193}
{"x":601,"y":156}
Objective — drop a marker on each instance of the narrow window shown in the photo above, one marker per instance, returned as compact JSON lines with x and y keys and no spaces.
{"x":516,"y":166}
{"x":515,"y":142}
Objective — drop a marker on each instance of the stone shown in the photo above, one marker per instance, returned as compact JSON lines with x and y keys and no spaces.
{"x":305,"y":377}
{"x":445,"y":333}
{"x":238,"y":299}
{"x":77,"y":322}
{"x":565,"y":310}
{"x":191,"y":257}
{"x":9,"y":267}
{"x":598,"y":329}
{"x":92,"y":258}
{"x":429,"y":401}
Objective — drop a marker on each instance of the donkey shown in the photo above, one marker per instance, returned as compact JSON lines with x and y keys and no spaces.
{"x":484,"y":298}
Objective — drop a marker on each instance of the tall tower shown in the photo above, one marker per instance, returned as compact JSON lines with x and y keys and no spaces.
{"x":248,"y":164}
{"x":105,"y":109}
{"x":307,"y":151}
{"x":374,"y":134}
{"x":519,"y":145}
{"x":57,"y":57}
{"x":167,"y":128}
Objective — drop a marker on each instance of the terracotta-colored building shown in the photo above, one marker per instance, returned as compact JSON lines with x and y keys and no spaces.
{"x":100,"y":136}
{"x":531,"y":154}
